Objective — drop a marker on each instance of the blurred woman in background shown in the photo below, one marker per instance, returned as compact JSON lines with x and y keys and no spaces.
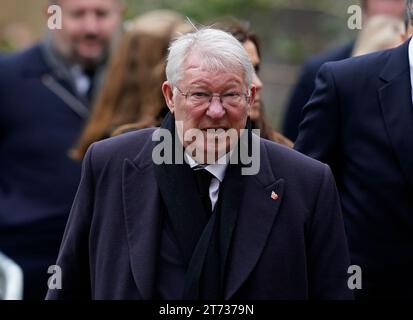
{"x":251,"y":44}
{"x":131,"y":97}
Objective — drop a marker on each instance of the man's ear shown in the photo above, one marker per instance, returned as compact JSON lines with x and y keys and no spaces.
{"x":251,"y":99}
{"x":167,"y":91}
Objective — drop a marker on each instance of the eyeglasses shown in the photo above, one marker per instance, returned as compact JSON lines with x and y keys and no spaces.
{"x":199,"y":97}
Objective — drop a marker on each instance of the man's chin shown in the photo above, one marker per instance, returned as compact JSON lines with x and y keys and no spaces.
{"x":89,"y":58}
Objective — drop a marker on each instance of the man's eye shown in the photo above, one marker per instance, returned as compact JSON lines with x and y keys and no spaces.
{"x":199,"y":94}
{"x":231,"y":94}
{"x":77,"y":14}
{"x":102,"y":13}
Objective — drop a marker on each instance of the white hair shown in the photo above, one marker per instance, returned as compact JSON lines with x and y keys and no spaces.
{"x":218,"y":50}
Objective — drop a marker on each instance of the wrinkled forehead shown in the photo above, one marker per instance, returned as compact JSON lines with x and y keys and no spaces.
{"x":199,"y":68}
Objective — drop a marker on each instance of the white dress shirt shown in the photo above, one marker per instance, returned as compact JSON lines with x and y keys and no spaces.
{"x":411,"y":65}
{"x":82,"y":81}
{"x":217,"y":170}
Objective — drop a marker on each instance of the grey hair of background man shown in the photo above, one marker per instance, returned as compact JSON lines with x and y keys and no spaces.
{"x":218,"y":50}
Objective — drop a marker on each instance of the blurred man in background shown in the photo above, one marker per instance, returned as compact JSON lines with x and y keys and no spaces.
{"x":305,"y":84}
{"x":45,"y":94}
{"x":359,"y":121}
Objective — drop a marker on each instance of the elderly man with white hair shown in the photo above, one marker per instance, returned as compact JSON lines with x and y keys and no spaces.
{"x":202,"y":208}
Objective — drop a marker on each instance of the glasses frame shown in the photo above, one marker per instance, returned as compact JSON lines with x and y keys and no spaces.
{"x":212,"y":95}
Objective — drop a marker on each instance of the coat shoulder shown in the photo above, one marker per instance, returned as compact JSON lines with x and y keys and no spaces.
{"x":125,"y":146}
{"x":305,"y":179}
{"x":368,"y":63}
{"x":335,"y":54}
{"x":289,"y":163}
{"x":27,"y":58}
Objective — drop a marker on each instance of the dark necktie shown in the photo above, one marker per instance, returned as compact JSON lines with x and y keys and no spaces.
{"x":203,"y":178}
{"x":204,"y":271}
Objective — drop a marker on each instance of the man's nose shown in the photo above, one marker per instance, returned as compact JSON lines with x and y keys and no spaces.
{"x":215,"y":109}
{"x":91,"y":23}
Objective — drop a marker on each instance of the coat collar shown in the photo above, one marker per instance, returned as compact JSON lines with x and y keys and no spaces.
{"x":142,"y":208}
{"x":397,"y":64}
{"x":141,"y":200}
{"x":395,"y":95}
{"x":49,"y":72}
{"x":260,"y":204}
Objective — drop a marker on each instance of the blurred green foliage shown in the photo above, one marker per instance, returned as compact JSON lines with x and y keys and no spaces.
{"x":290,"y":29}
{"x":205,"y":9}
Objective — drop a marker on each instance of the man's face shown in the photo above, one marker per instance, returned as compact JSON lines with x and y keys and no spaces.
{"x":88,"y":27}
{"x":197,"y":79}
{"x":387,"y":7}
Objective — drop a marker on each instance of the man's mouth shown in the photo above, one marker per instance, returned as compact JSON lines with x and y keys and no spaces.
{"x":212,"y":129}
{"x":90,"y":42}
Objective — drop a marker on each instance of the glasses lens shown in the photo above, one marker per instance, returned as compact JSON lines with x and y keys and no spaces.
{"x":203,"y":97}
{"x":232,"y":98}
{"x":199,"y":97}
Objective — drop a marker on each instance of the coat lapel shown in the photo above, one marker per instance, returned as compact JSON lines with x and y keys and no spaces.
{"x":396,"y":104}
{"x":141,"y":203}
{"x":56,"y":79}
{"x":262,"y":198}
{"x":65,"y":95}
{"x":184,"y":205}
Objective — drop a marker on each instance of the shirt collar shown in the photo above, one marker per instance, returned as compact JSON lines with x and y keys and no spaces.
{"x":216,"y":169}
{"x":411,"y":61}
{"x":82,"y":81}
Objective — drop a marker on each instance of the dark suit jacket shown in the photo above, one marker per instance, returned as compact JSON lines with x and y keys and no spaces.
{"x":304,"y":87}
{"x":38,"y":181}
{"x":37,"y":128}
{"x":360,"y":122}
{"x":290,"y":248}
